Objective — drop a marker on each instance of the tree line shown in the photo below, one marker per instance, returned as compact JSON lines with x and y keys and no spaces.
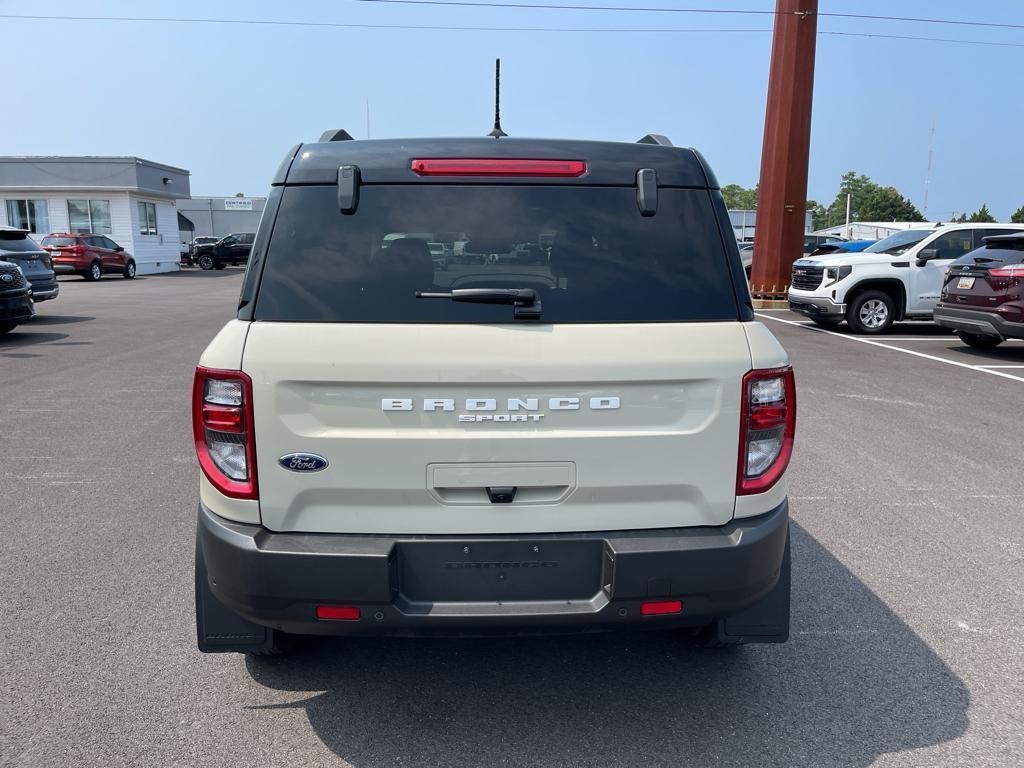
{"x":868,"y":202}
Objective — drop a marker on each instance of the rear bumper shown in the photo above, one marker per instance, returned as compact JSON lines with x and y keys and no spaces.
{"x":500,"y":584}
{"x":44,"y":289}
{"x":68,"y":266}
{"x":815,"y":306}
{"x":974,"y":321}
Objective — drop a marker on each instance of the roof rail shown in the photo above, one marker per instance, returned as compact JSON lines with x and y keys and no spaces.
{"x":655,"y":138}
{"x":336,"y":134}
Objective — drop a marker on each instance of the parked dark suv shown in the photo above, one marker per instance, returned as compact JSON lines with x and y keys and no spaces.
{"x":983,"y":295}
{"x":15,"y":297}
{"x":233,"y":249}
{"x":88,"y":255}
{"x":18,"y":248}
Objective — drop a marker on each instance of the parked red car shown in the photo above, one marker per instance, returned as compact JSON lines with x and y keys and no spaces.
{"x":88,"y":255}
{"x":983,"y":298}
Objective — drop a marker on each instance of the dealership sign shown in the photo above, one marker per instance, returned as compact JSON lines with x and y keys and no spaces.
{"x":238,"y":205}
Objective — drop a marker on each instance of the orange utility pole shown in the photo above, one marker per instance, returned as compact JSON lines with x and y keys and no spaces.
{"x":782,"y":196}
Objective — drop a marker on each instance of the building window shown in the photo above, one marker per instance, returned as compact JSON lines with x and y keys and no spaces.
{"x":87,"y":216}
{"x":32,"y":215}
{"x":147,"y":218}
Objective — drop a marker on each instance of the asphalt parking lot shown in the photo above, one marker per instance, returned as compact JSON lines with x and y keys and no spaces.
{"x":908,"y":545}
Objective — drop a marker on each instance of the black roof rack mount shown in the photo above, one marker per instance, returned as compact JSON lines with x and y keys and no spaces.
{"x":655,"y":138}
{"x":335,"y":134}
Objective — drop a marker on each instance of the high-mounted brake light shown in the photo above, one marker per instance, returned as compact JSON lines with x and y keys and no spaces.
{"x":498,"y":167}
{"x":767,"y":428}
{"x":222,"y":425}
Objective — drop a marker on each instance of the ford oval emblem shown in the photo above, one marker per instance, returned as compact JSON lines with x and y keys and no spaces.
{"x":303,"y":462}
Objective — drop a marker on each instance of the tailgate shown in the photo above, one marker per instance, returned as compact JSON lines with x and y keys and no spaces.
{"x":596,"y":427}
{"x":975,"y":286}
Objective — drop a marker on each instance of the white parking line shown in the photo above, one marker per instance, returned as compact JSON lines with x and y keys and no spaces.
{"x":874,"y":343}
{"x":1001,"y":366}
{"x":947,"y":339}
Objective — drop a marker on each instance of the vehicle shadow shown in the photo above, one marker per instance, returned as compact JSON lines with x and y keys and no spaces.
{"x":226,"y":272}
{"x":853,"y":683}
{"x":1009,"y":354}
{"x":21,"y":336}
{"x":40,"y":319}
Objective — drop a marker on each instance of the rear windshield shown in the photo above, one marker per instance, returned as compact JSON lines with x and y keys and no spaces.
{"x":55,"y":241}
{"x":996,"y":254}
{"x":587,"y":252}
{"x":16,"y":242}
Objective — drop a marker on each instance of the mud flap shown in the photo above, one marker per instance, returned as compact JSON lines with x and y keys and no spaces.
{"x":220,"y":630}
{"x":766,"y":621}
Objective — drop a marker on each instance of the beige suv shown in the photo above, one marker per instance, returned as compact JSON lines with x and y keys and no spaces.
{"x":595,"y":437}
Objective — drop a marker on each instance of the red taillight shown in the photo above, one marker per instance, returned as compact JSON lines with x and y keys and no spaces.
{"x":661,"y":607}
{"x":222,"y":425}
{"x":498,"y":167}
{"x":767,"y":428}
{"x":338,"y":612}
{"x":1010,"y":270}
{"x":223,"y":418}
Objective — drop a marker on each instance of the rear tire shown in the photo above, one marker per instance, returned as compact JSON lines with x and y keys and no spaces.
{"x":977,"y":341}
{"x":871,"y":312}
{"x":6,"y":328}
{"x":94,"y":272}
{"x":129,"y":271}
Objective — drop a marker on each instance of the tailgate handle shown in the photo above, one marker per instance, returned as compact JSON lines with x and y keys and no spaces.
{"x":501,"y":494}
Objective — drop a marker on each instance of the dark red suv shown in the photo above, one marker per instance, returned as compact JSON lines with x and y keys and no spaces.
{"x":88,"y":255}
{"x":983,"y":296}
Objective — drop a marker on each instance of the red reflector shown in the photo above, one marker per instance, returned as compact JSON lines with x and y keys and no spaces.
{"x":496,"y":167}
{"x":660,"y":608}
{"x":338,"y":612}
{"x":767,"y":416}
{"x":222,"y":418}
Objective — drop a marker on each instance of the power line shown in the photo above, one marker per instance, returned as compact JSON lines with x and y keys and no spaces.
{"x":341,"y":25}
{"x":552,"y":6}
{"x":729,"y":11}
{"x":448,"y":28}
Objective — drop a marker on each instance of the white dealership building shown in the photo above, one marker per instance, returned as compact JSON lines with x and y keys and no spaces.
{"x":128,"y":199}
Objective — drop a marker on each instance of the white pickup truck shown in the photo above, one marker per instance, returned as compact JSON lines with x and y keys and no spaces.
{"x":897,"y":278}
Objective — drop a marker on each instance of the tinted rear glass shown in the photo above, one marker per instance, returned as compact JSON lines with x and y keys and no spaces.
{"x":15,"y":242}
{"x":586,"y":251}
{"x":56,"y":241}
{"x":995,"y":255}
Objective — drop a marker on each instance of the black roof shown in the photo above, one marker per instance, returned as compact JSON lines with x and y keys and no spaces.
{"x":387,"y":161}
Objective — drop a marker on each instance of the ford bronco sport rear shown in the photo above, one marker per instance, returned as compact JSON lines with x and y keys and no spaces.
{"x":593,"y":437}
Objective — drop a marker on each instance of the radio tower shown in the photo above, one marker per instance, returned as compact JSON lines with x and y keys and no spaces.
{"x":928,"y":173}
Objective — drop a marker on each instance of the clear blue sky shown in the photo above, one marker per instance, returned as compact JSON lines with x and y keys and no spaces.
{"x":226,"y":101}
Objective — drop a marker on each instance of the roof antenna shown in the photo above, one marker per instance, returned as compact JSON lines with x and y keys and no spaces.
{"x":497,"y":132}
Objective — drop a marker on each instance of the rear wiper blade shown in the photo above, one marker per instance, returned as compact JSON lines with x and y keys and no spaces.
{"x":525,"y":301}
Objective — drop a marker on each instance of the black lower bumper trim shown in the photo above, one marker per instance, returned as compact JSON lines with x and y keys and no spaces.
{"x":977,"y":322}
{"x":481,"y":584}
